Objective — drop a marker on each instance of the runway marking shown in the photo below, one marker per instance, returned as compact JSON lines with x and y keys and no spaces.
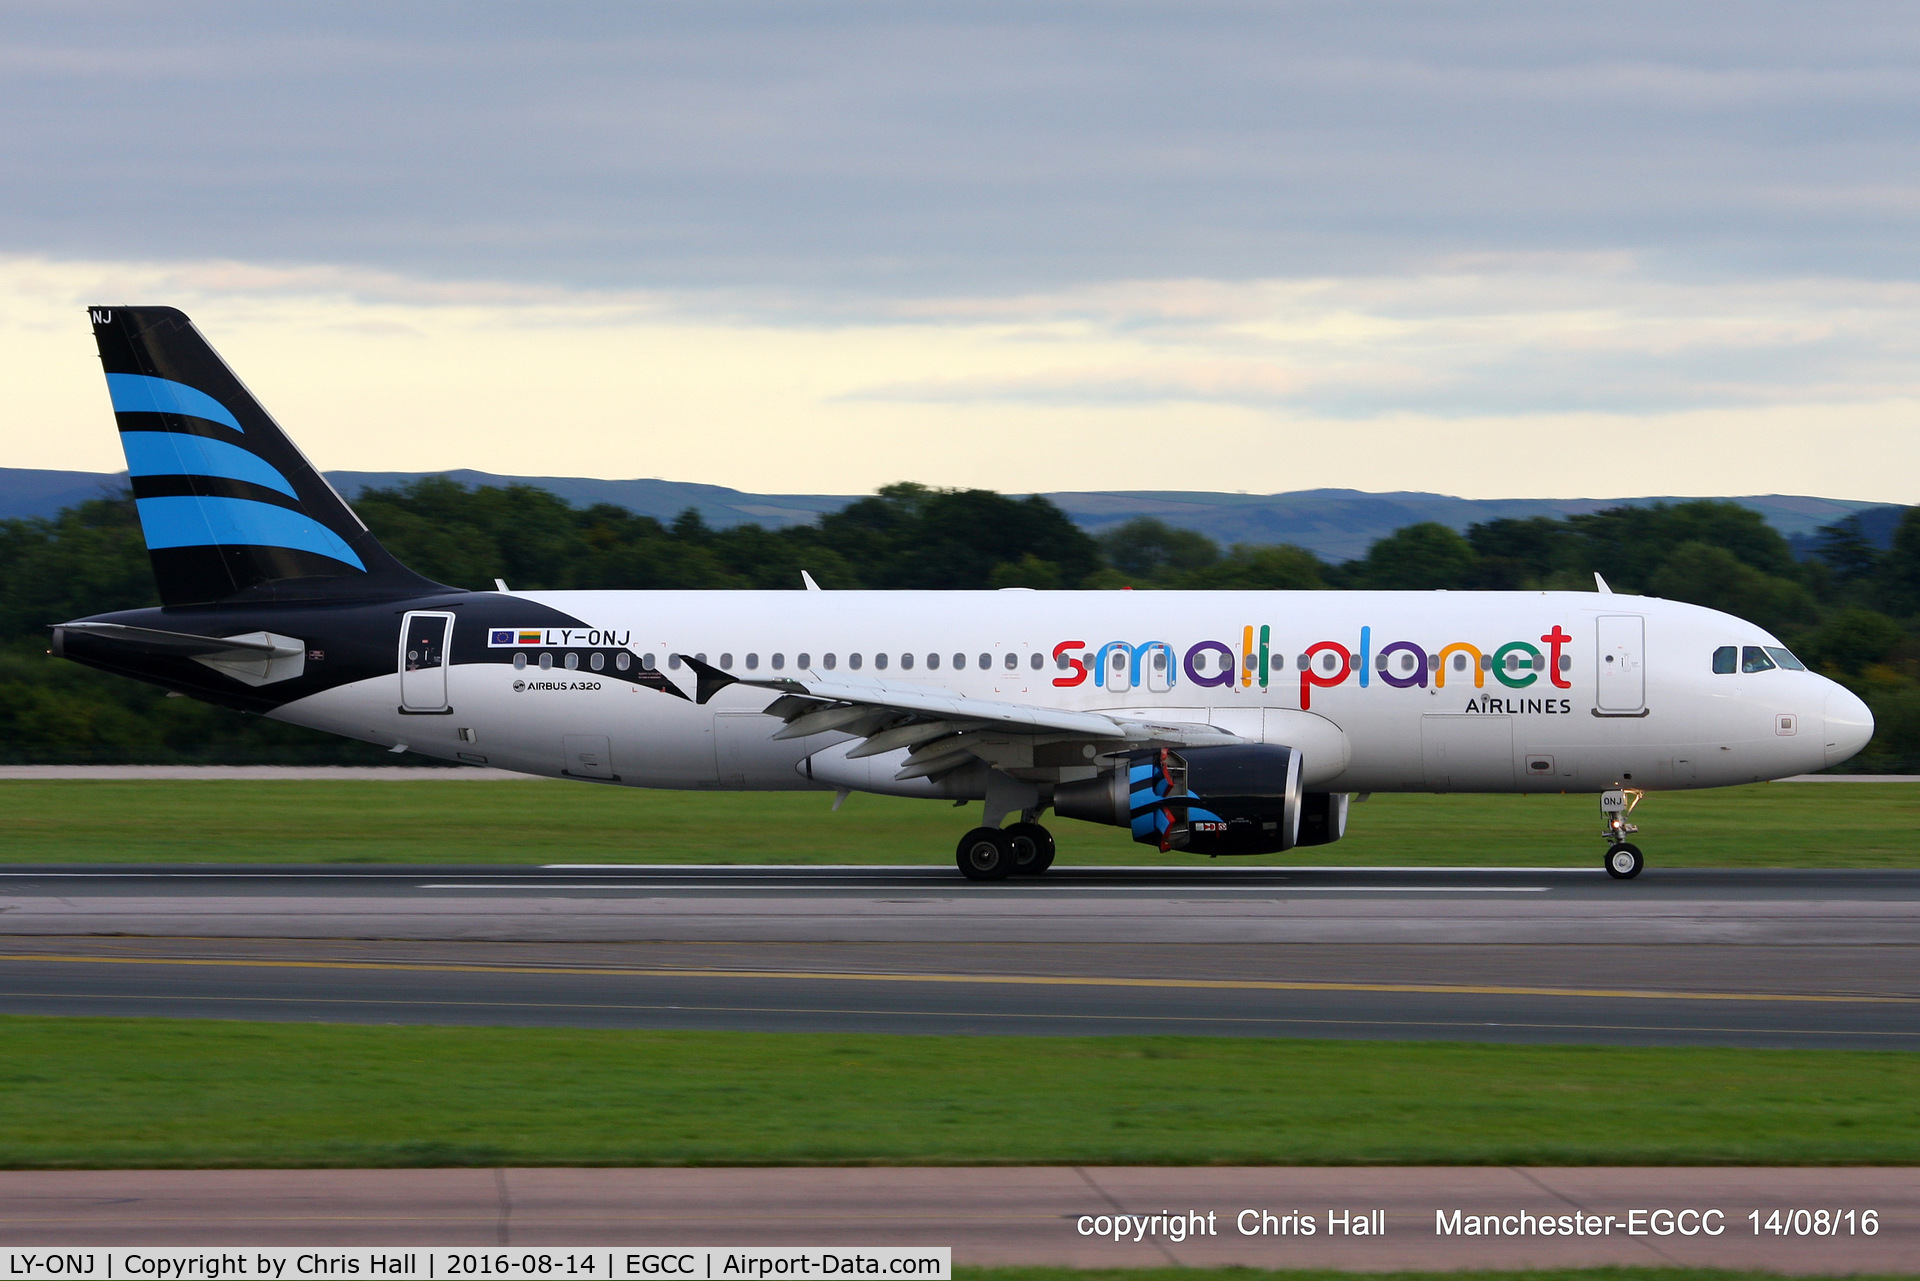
{"x":1016,"y":1016}
{"x":1133,"y":889}
{"x":996,"y":980}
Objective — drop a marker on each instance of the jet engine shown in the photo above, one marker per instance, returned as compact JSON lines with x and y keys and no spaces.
{"x":1231,"y":799}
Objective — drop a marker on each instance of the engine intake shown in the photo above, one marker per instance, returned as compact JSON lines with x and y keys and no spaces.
{"x":1232,"y":799}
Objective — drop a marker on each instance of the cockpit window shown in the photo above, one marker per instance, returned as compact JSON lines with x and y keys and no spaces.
{"x":1726,"y":660}
{"x":1754,"y":659}
{"x":1785,"y":658}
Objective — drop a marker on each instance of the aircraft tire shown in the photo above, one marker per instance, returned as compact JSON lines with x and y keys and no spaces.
{"x":1624,"y":861}
{"x":1032,"y":848}
{"x":985,"y":854}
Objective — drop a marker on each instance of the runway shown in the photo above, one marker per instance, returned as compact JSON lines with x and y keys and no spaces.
{"x":1519,"y":955}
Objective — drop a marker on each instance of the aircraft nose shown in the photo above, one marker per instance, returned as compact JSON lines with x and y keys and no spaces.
{"x":1849,"y":725}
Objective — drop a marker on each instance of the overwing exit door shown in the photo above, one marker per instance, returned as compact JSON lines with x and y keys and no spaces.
{"x":1621,"y":685}
{"x":424,"y":641}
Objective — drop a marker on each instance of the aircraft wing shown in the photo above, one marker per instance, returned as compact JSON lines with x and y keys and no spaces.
{"x":944,"y":730}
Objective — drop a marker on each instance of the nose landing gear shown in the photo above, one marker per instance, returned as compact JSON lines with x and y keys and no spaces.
{"x":1624,"y":860}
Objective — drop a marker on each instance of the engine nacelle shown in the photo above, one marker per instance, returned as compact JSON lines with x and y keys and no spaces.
{"x":1323,"y":817}
{"x":1232,"y":799}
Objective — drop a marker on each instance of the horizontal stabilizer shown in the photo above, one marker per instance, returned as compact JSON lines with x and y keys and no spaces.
{"x":148,"y":640}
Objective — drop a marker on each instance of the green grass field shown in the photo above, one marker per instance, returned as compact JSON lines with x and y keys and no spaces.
{"x":1768,"y":825}
{"x":132,"y":1092}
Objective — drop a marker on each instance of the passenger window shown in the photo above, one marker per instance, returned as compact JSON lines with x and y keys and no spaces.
{"x":1013,"y":661}
{"x":646,"y":662}
{"x":1459,"y":662}
{"x":986,"y":661}
{"x":546,"y":662}
{"x":519,"y":662}
{"x":1754,"y":659}
{"x":827,"y":661}
{"x":779,"y":662}
{"x":1036,"y":661}
{"x":1786,"y":659}
{"x":803,"y":661}
{"x":753,"y":661}
{"x":1061,"y":662}
{"x":879,"y":662}
{"x":623,"y":660}
{"x":853,"y":661}
{"x":673,"y":662}
{"x":573,"y":662}
{"x":700,"y":657}
{"x":1566,"y":662}
{"x":1726,"y":660}
{"x":726,"y":660}
{"x":933,"y":662}
{"x":1159,"y":660}
{"x":906,"y":662}
{"x":598,"y":661}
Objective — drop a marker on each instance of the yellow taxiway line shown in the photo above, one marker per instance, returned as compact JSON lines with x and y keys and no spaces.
{"x":1021,"y":980}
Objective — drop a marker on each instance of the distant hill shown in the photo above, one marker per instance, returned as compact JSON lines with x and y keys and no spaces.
{"x":1338,"y":524}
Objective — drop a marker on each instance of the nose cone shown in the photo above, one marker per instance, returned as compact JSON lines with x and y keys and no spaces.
{"x":1849,"y":725}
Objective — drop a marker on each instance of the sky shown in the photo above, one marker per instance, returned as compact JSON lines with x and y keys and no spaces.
{"x":1494,"y":250}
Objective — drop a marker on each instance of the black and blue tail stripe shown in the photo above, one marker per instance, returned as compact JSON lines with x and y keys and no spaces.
{"x":228,"y":504}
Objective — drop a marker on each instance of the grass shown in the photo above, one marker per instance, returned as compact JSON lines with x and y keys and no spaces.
{"x":1767,"y":825}
{"x":95,"y":1092}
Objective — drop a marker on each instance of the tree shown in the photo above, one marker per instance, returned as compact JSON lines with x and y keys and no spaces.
{"x":1851,"y":641}
{"x":1418,"y":557}
{"x":1628,"y":544}
{"x":915,"y":537}
{"x":1703,"y":574}
{"x":1148,"y":551}
{"x":1845,"y":549}
{"x":1247,"y":567}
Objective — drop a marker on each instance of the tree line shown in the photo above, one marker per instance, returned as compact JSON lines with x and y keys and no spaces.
{"x":1852,"y":609}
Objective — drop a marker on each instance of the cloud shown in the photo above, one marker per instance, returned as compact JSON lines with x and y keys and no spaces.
{"x":930,"y":150}
{"x":1481,"y":377}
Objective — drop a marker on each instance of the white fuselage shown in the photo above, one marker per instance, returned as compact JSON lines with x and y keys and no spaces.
{"x":1460,"y":692}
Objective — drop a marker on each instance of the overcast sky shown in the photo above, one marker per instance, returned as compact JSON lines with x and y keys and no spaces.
{"x":1496,"y":250}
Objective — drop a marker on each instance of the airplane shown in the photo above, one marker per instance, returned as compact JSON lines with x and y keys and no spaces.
{"x":1214,"y":722}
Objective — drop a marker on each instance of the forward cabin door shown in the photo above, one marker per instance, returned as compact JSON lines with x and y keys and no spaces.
{"x":424,"y":642}
{"x":1621,"y":686}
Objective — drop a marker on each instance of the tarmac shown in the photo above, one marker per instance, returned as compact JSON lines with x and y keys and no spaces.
{"x":1681,"y":957}
{"x":1026,"y":1215}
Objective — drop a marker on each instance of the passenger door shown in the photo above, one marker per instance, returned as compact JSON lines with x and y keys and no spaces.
{"x":1620,"y":687}
{"x":425,"y":638}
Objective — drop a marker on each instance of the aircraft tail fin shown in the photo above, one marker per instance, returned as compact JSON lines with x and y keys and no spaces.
{"x":229,"y":505}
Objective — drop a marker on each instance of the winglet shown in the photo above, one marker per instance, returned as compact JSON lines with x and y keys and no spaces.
{"x":807,"y":578}
{"x":710,"y":680}
{"x":1600,"y":584}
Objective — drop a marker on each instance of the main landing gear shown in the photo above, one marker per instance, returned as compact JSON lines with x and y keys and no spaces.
{"x":995,"y":853}
{"x":1624,"y":859}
